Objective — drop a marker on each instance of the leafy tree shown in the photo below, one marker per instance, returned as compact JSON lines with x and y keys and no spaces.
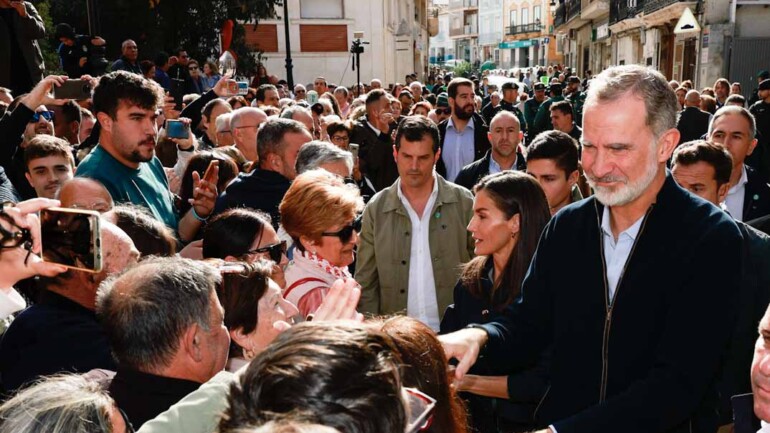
{"x":165,"y":25}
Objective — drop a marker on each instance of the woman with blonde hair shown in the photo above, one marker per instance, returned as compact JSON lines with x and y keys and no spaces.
{"x":321,"y":214}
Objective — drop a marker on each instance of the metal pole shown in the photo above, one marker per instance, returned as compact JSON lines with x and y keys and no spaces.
{"x":93,"y":17}
{"x":289,"y":67}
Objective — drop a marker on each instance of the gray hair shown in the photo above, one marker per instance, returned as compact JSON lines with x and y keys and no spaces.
{"x":290,"y":111}
{"x":223,"y":122}
{"x":147,"y":309}
{"x":312,"y":155}
{"x":270,"y":138}
{"x":242,"y":113}
{"x":59,"y":404}
{"x":733,"y":109}
{"x":660,"y":101}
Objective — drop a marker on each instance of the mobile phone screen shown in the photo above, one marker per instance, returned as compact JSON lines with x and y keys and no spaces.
{"x":71,"y":238}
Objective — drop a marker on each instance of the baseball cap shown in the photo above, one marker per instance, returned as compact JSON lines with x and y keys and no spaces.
{"x":555,"y":86}
{"x":764,"y":85}
{"x":574,"y":79}
{"x":763,"y":75}
{"x":539,"y":86}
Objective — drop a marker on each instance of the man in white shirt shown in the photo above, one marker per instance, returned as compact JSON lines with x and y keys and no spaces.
{"x":413,"y":238}
{"x":749,"y":195}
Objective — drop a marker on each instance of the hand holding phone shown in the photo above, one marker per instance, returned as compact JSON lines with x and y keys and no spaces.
{"x":23,"y":262}
{"x":205,"y":190}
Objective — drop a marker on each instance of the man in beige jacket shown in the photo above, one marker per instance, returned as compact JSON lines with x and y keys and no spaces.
{"x":413,"y":238}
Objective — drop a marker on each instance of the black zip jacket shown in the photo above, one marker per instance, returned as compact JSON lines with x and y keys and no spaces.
{"x":648,"y":362}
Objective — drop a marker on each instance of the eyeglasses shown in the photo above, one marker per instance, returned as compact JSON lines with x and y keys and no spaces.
{"x":344,"y":138}
{"x":420,"y":410}
{"x":444,"y":111}
{"x":14,"y":239}
{"x":47,"y":115}
{"x":346,"y":232}
{"x":129,"y":427}
{"x":275,"y":251}
{"x":193,"y":68}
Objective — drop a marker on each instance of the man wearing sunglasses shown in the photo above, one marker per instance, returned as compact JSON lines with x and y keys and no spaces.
{"x":413,"y":236}
{"x":28,"y":119}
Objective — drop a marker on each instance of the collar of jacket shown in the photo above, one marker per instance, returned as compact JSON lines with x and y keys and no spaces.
{"x":446,"y":194}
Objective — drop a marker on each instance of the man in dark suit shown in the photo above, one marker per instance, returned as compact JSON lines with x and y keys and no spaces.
{"x":693,"y":122}
{"x":376,"y":145}
{"x":749,"y":195}
{"x":463,"y":137}
{"x":504,"y":136}
{"x":704,"y":169}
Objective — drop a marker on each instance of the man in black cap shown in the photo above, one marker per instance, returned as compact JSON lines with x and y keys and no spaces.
{"x":543,"y":117}
{"x":75,"y":51}
{"x":761,"y":112}
{"x":761,"y":76}
{"x":533,"y":103}
{"x":576,"y":98}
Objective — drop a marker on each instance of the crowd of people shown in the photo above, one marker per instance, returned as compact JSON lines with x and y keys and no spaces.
{"x":562,"y":254}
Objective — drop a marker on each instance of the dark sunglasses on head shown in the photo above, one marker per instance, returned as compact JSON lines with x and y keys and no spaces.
{"x":444,"y":111}
{"x":346,"y":232}
{"x":275,"y":251}
{"x":47,"y":115}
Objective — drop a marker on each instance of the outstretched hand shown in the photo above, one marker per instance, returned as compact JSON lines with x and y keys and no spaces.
{"x":41,"y":93}
{"x":463,"y":345}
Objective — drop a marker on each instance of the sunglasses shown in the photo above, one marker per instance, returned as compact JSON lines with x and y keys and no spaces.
{"x":445,"y":111}
{"x":193,"y":68}
{"x":346,"y":232}
{"x":420,"y":410}
{"x":274,"y":251}
{"x":47,"y":115}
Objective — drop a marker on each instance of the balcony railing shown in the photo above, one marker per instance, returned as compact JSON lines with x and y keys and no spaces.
{"x":653,"y":5}
{"x":624,"y":9}
{"x":523,"y":28}
{"x":566,"y":11}
{"x":466,"y":30}
{"x":560,"y":15}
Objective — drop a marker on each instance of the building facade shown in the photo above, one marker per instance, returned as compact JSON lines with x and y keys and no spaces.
{"x":731,"y":39}
{"x":321,"y":33}
{"x":529,"y":38}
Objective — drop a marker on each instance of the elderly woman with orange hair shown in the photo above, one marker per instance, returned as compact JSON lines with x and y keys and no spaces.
{"x":321,"y":214}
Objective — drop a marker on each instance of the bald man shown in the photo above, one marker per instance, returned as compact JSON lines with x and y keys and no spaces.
{"x":85,"y":193}
{"x":244,"y":126}
{"x":693,"y":122}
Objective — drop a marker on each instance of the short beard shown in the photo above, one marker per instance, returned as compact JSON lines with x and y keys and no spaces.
{"x":629,"y":191}
{"x":462,"y":114}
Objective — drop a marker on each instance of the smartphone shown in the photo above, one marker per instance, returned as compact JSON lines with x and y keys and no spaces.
{"x":73,"y":89}
{"x":208,"y":176}
{"x":232,"y":88}
{"x":353,"y":147}
{"x":72,"y":237}
{"x":243,"y":88}
{"x":177,"y":91}
{"x":177,"y":129}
